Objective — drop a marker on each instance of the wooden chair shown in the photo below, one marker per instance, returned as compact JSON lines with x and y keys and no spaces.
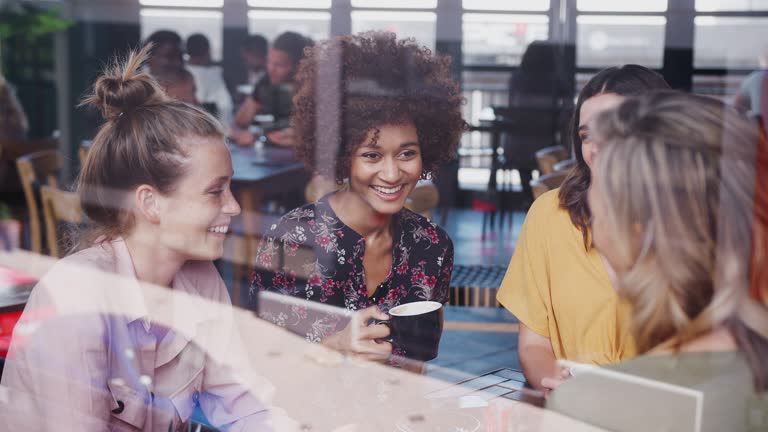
{"x":36,"y":169}
{"x":565,"y":165}
{"x":547,"y":182}
{"x":59,"y":207}
{"x":14,"y":149}
{"x":82,"y":153}
{"x":547,"y":157}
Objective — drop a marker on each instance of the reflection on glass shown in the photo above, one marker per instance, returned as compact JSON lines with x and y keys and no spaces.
{"x":714,"y":46}
{"x":611,"y":40}
{"x":395,"y":4}
{"x":500,"y":39}
{"x":185,"y":23}
{"x":530,"y":5}
{"x":316,"y":25}
{"x":291,"y":4}
{"x":730,"y":5}
{"x":622,"y":6}
{"x":418,"y":25}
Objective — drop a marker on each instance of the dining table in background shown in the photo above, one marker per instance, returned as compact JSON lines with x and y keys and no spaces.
{"x":261,"y":172}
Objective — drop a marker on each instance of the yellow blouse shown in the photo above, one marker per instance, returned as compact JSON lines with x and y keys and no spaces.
{"x":561,"y":291}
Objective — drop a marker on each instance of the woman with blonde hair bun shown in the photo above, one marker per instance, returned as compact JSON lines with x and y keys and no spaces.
{"x":156,"y":188}
{"x":679,"y":213}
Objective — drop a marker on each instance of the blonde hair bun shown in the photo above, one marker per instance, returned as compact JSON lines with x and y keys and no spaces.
{"x":124,"y":87}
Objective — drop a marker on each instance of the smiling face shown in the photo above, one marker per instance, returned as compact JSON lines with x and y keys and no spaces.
{"x":386,"y":167}
{"x":589,"y":110}
{"x":195,"y":216}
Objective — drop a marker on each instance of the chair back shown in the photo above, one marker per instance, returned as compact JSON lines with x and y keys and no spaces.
{"x":564,"y":165}
{"x":547,"y":157}
{"x":59,"y":207}
{"x":39,"y":168}
{"x":14,"y":149}
{"x":547,"y":182}
{"x":82,"y":153}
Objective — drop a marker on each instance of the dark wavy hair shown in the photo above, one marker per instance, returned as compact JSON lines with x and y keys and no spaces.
{"x":627,"y":80}
{"x":350,"y":85}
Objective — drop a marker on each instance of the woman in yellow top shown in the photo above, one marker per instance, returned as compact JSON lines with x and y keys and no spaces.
{"x":557,"y":284}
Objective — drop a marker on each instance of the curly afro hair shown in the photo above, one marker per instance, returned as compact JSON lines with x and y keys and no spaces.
{"x":351,"y":85}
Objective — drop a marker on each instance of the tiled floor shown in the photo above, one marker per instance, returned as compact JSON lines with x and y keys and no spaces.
{"x":465,"y":227}
{"x":469,"y":353}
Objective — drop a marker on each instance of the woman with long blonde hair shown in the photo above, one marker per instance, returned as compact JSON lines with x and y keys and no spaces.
{"x":679,"y":214}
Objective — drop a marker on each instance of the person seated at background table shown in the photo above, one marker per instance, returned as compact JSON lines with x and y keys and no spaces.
{"x":156,"y":187}
{"x":251,"y":68}
{"x":680,"y":211}
{"x":273,"y":94}
{"x":179,"y":85}
{"x":210,"y":89}
{"x":166,"y":56}
{"x":398,"y":117}
{"x":557,"y":284}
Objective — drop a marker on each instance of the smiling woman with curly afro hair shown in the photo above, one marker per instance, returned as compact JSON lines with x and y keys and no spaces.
{"x":381,"y":80}
{"x":375,"y":114}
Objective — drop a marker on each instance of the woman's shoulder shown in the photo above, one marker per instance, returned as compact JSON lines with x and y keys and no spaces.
{"x":100,"y":256}
{"x":204,"y":280}
{"x":303,"y":215}
{"x":546,"y":212}
{"x":411,"y":222}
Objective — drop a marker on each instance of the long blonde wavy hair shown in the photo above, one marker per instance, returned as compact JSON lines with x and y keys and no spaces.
{"x":678,"y":177}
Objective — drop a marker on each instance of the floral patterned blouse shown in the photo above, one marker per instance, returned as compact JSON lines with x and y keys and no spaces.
{"x":311,"y":254}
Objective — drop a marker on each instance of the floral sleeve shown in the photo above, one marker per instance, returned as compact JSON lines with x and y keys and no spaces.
{"x":270,"y":273}
{"x":445,"y":261}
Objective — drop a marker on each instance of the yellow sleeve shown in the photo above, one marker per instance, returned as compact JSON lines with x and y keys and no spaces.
{"x":525,"y":288}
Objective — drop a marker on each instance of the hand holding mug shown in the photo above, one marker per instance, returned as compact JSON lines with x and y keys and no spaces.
{"x":359,"y":338}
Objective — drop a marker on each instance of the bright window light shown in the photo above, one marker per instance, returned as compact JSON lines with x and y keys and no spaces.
{"x":730,"y":5}
{"x":395,"y":4}
{"x":176,"y":13}
{"x":505,"y":18}
{"x":393,"y":16}
{"x":184,"y":3}
{"x":506,"y":5}
{"x":622,"y":20}
{"x":291,"y":4}
{"x":621,"y":5}
{"x":289,"y":15}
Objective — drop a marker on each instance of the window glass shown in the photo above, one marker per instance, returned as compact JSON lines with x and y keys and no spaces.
{"x":418,"y":25}
{"x":714,"y":42}
{"x":395,"y":4}
{"x":621,"y":6}
{"x":610,"y":40}
{"x":184,"y":3}
{"x":270,"y":23}
{"x":291,"y":4}
{"x":185,"y":23}
{"x":506,"y":5}
{"x":731,"y":5}
{"x":500,"y":39}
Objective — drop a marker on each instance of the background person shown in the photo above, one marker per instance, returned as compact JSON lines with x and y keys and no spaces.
{"x":210,"y":89}
{"x":273,"y":94}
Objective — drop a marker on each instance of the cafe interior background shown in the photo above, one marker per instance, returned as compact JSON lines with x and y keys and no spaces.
{"x":51,"y":52}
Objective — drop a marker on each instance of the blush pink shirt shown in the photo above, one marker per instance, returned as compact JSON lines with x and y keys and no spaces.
{"x":105,"y":371}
